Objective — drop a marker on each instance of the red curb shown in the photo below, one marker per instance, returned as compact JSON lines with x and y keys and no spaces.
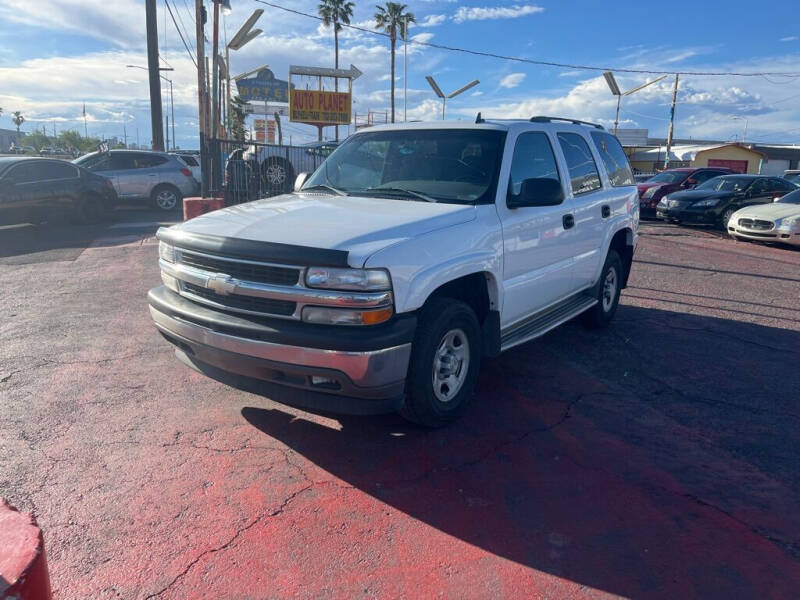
{"x":23,"y":565}
{"x":194,"y":207}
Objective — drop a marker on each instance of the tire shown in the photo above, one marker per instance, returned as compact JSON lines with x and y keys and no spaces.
{"x":726,"y":216}
{"x":277,"y":176}
{"x":445,"y":325}
{"x":600,"y":315}
{"x":166,"y":197}
{"x":90,"y":211}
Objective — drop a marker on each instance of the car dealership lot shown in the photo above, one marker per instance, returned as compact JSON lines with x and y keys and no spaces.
{"x":653,"y":459}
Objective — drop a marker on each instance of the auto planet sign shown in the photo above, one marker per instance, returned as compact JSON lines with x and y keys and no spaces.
{"x":263,"y":88}
{"x":319,"y":108}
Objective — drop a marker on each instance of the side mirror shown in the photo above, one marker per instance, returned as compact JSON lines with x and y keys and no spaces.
{"x":539,"y":191}
{"x":300,"y":181}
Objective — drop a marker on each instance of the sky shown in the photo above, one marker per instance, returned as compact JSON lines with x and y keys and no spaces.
{"x":56,"y":55}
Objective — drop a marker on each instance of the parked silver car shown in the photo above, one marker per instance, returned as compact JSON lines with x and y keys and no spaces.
{"x":137,"y":175}
{"x":193,"y":162}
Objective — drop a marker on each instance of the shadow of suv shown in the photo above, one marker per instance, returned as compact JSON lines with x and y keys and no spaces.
{"x":160,"y":178}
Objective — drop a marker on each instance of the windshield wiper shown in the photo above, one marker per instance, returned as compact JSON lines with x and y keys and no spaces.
{"x":325,"y":186}
{"x":404,"y":191}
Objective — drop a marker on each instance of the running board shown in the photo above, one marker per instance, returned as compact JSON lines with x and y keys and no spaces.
{"x":542,"y":322}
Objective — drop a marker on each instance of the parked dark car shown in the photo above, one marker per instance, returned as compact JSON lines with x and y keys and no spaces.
{"x":673,"y":180}
{"x":42,"y":189}
{"x":714,"y":201}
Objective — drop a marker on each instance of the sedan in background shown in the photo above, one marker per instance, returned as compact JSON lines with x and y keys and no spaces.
{"x":717,"y":199}
{"x":776,"y":222}
{"x":138,"y":176}
{"x":673,"y":180}
{"x":33,"y":190}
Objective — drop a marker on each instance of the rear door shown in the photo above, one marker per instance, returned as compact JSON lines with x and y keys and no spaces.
{"x":537,"y":256}
{"x":31,"y":192}
{"x":589,"y":205}
{"x":64,"y":182}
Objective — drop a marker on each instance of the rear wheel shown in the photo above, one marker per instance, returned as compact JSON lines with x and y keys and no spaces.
{"x":726,"y":216}
{"x":608,"y":292}
{"x":445,"y":361}
{"x":90,"y":210}
{"x":166,"y":197}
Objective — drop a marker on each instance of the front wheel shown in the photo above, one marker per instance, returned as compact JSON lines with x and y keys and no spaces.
{"x":445,"y":361}
{"x":608,"y":292}
{"x":166,"y":197}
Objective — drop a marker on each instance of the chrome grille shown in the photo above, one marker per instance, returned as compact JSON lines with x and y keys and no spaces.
{"x":245,"y":270}
{"x":243,"y":303}
{"x":756,"y":224}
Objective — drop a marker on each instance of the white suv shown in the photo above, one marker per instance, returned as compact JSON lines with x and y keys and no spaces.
{"x":413,"y":251}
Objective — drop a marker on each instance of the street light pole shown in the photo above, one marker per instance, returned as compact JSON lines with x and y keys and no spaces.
{"x":671,"y":121}
{"x":244,"y":36}
{"x":438,"y":91}
{"x":612,"y":85}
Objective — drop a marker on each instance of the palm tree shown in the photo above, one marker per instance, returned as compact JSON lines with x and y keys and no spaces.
{"x":18,"y":119}
{"x":335,"y":12}
{"x":392,"y":19}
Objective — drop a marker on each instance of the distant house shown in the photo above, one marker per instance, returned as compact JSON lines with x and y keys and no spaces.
{"x":738,"y":157}
{"x":9,"y":136}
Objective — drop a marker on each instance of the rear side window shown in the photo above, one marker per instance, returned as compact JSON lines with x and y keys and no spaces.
{"x":189,"y":160}
{"x":146,"y":161}
{"x":614,"y":158}
{"x":533,"y":159}
{"x":55,"y":170}
{"x":583,"y":173}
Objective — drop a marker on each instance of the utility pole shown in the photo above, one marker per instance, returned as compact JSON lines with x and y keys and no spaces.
{"x":201,"y":86}
{"x":671,"y":121}
{"x":405,"y":72}
{"x":125,"y":134}
{"x":215,"y":102}
{"x":155,"y":83}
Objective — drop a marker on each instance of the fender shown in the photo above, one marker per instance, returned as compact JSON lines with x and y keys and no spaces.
{"x":617,"y":224}
{"x":422,"y":264}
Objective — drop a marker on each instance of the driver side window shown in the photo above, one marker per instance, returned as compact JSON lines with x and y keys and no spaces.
{"x":533,"y":159}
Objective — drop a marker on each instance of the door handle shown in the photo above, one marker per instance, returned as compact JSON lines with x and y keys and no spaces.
{"x":605,"y":211}
{"x":568,"y":221}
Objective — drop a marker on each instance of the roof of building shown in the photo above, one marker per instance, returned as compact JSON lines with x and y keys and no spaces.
{"x":683,"y":152}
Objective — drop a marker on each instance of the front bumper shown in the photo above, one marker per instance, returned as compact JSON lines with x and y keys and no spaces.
{"x":368,"y":364}
{"x":783,"y":236}
{"x":708,"y":216}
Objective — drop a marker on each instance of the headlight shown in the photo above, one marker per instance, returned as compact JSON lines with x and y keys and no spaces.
{"x":362,"y":280}
{"x":709,"y":202}
{"x":650,"y":192}
{"x":342,"y":316}
{"x":166,"y":252}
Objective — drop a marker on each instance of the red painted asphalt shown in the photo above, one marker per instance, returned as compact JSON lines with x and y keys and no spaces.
{"x":657,"y":459}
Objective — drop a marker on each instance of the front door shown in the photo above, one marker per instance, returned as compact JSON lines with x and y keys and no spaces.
{"x":538,"y":254}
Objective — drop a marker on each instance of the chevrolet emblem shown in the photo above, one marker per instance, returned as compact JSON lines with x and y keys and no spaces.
{"x":221,"y":284}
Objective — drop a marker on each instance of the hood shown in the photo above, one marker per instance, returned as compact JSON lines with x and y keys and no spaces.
{"x":697,"y":195}
{"x":358,"y":225}
{"x":772,"y":211}
{"x":643,"y":187}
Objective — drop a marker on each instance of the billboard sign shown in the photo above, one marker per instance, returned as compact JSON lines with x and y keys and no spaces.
{"x":264,"y":130}
{"x":319,"y":107}
{"x":263,"y":87}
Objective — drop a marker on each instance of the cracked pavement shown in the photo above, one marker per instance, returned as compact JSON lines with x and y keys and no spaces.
{"x":656,"y":459}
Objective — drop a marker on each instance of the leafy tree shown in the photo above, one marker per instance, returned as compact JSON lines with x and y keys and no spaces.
{"x":18,"y":119}
{"x":37,"y":139}
{"x":335,"y":12}
{"x":393,"y":19}
{"x":237,"y":118}
{"x":70,"y":139}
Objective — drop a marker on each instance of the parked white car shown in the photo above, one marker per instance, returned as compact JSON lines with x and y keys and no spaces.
{"x":411,"y":253}
{"x":775,"y":222}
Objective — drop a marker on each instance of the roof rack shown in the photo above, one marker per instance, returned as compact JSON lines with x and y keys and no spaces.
{"x":573,"y":121}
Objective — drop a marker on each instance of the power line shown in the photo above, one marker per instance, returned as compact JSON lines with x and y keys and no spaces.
{"x":183,"y":26}
{"x":185,"y":45}
{"x":541,"y":63}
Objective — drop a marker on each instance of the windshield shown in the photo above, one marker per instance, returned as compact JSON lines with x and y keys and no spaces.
{"x":790,"y":198}
{"x":669,"y":177}
{"x":725,"y":184}
{"x":443,"y":165}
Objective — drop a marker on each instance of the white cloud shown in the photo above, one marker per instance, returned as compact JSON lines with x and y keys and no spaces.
{"x":680,"y":56}
{"x":475,"y":13}
{"x":478,"y":93}
{"x":422,"y":38}
{"x":790,"y":38}
{"x":432,"y":20}
{"x":512,"y":80}
{"x":121,"y":24}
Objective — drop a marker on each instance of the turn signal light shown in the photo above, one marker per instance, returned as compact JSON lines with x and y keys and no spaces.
{"x":374,"y":317}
